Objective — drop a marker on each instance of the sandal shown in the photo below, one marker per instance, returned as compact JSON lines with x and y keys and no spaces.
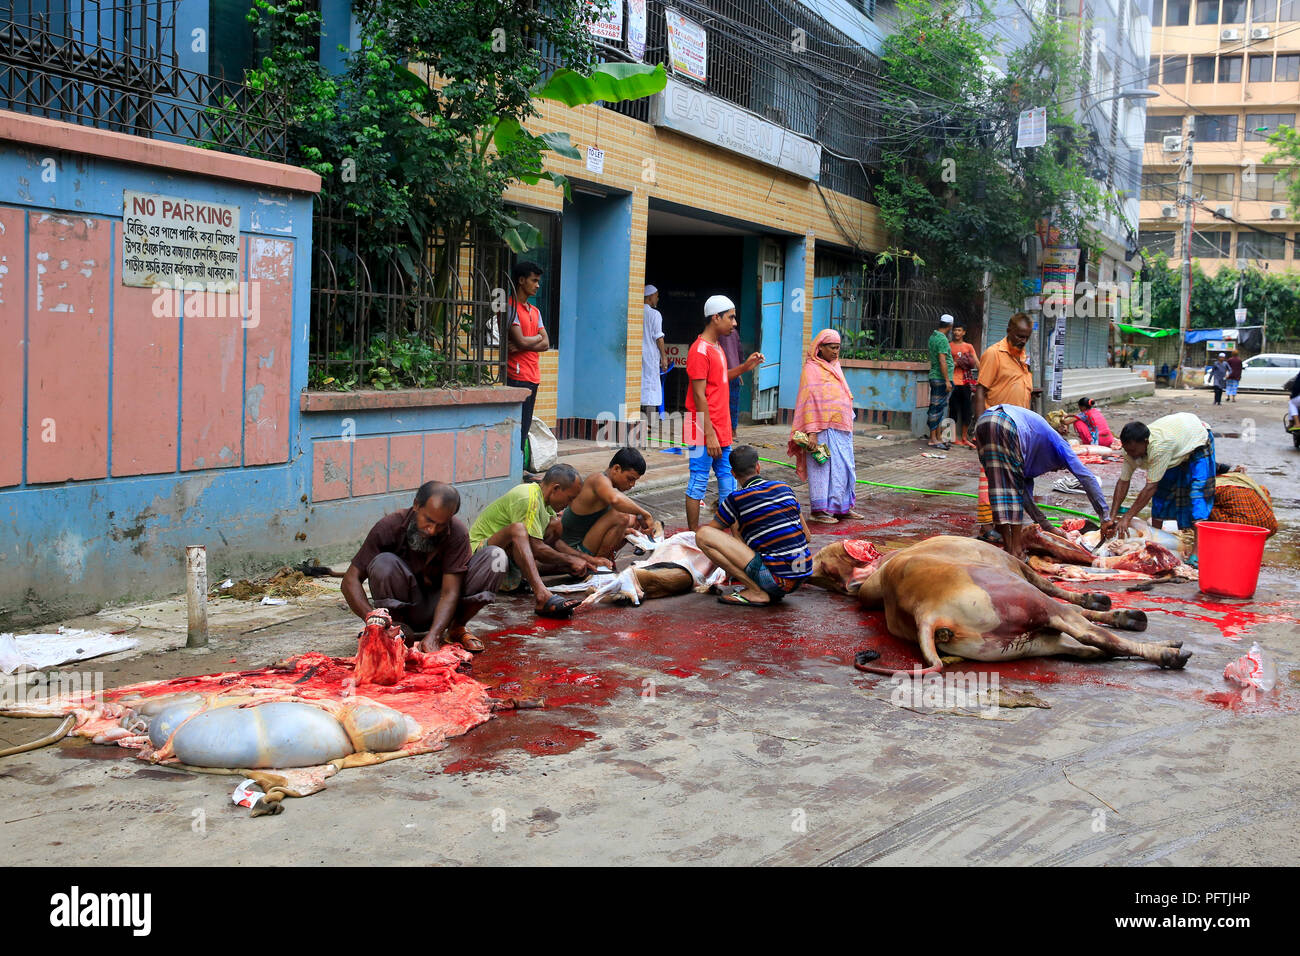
{"x":736,"y":599}
{"x":820,"y":518}
{"x":557,"y":607}
{"x":466,"y":640}
{"x":852,"y":516}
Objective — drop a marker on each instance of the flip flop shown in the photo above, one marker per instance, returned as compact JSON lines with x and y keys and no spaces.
{"x":736,"y":599}
{"x":852,"y":516}
{"x":822,"y":519}
{"x":557,"y":607}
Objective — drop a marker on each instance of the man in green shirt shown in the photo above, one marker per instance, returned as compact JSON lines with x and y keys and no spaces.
{"x":523,"y":523}
{"x":940,"y":379}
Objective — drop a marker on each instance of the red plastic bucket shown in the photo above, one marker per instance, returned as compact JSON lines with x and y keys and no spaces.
{"x":1229,"y":556}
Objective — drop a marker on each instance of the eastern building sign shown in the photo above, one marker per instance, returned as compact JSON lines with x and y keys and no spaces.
{"x":172,"y":241}
{"x":692,"y":112}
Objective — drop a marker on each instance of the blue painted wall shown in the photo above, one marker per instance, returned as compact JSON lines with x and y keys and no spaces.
{"x":597,"y":245}
{"x":793,"y":307}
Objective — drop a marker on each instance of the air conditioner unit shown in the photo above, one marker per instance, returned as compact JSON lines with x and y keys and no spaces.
{"x":1223,"y":210}
{"x":1259,"y":33}
{"x":1173,"y":144}
{"x":1168,"y":212}
{"x":1277,"y":212}
{"x":1230,"y":34}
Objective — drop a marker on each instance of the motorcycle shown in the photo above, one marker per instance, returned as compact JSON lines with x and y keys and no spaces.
{"x":1288,"y":422}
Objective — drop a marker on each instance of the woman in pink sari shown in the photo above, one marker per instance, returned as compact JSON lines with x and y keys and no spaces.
{"x":824,"y":412}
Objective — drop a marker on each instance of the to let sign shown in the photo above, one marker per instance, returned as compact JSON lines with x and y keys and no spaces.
{"x":174,"y":242}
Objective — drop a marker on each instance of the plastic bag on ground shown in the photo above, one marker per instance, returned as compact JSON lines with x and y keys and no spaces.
{"x":543,"y":448}
{"x":1255,"y":669}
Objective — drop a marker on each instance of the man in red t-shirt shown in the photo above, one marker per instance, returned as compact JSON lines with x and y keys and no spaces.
{"x":707,"y":428}
{"x":528,"y":339}
{"x":966,"y":366}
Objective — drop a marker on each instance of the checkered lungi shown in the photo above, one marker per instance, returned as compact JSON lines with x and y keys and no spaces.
{"x":1232,"y":386}
{"x":1186,"y":492}
{"x":998,"y":442}
{"x":1237,"y":505}
{"x":934,"y":415}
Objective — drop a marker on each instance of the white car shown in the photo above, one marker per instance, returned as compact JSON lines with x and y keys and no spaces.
{"x":1269,"y":371}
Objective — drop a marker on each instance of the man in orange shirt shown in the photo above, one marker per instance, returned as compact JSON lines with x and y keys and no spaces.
{"x":1004,"y":379}
{"x":528,"y":339}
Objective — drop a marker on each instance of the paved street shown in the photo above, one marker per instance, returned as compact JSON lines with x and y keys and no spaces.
{"x":683,"y":732}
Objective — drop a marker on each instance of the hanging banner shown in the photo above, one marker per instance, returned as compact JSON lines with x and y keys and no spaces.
{"x":636,"y":28}
{"x":1032,"y":130}
{"x":687,"y":46}
{"x":609,"y":25}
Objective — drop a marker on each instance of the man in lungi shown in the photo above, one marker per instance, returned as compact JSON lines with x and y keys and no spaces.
{"x":1015,"y":446}
{"x":1177,"y":453}
{"x":1004,"y":379}
{"x":597,"y":522}
{"x":420,"y":568}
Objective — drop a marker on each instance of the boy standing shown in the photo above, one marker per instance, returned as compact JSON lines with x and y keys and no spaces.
{"x":707,"y":429}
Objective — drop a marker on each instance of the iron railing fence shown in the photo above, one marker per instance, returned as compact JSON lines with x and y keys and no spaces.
{"x":411,"y":319}
{"x":777,"y":59}
{"x":114,"y":67}
{"x":880,"y":317}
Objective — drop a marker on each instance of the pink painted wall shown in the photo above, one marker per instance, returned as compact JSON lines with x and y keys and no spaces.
{"x":95,"y":345}
{"x":13,"y":307}
{"x":212,"y":378}
{"x":70,"y":277}
{"x":146,"y":377}
{"x":266,"y":375}
{"x":375,"y":465}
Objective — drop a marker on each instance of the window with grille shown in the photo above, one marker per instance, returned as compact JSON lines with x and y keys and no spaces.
{"x":1216,"y":129}
{"x":1263,"y":11}
{"x":1157,"y":241}
{"x":1264,"y":187}
{"x":1229,"y":69}
{"x":1211,"y":245}
{"x":1160,"y":187}
{"x":1215,"y":187}
{"x":1260,"y":126}
{"x":1259,"y":245}
{"x":1158,"y":127}
{"x":1261,"y":68}
{"x":1288,"y":68}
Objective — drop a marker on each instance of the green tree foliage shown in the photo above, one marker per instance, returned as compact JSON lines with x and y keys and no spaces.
{"x":1286,"y":149}
{"x":1214,"y":298}
{"x":414,"y":152}
{"x":954,"y":188}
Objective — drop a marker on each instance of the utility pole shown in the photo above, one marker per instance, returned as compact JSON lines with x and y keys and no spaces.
{"x":1185,"y":197}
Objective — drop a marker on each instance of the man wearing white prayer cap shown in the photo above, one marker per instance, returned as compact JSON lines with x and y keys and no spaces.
{"x":654,"y":357}
{"x":707,"y":427}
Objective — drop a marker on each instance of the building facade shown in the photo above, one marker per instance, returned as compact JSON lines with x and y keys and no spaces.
{"x":742,"y":178}
{"x":1229,"y":72}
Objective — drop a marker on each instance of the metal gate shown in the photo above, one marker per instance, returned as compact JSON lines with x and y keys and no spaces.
{"x":772,"y":268}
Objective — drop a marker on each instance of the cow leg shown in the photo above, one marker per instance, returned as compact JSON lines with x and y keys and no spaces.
{"x":1128,"y":620}
{"x":1164,"y":653}
{"x":1092,"y":601}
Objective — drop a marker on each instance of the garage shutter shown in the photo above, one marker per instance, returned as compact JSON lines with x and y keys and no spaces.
{"x":1076,"y":328}
{"x":996,"y":328}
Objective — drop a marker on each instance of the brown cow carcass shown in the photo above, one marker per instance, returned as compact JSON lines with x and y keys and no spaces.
{"x":963,"y":597}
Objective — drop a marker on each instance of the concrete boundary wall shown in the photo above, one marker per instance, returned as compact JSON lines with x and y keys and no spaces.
{"x":133,"y":424}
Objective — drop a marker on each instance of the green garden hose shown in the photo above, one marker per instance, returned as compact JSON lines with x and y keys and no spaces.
{"x":921,"y":491}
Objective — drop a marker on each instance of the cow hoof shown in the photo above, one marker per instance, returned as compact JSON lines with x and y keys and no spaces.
{"x":1131,"y":620}
{"x":1174,"y":659}
{"x":1171,"y":643}
{"x":1096,"y":601}
{"x":865,"y":657}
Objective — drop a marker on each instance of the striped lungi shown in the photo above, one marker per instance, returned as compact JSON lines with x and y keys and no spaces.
{"x":1185,"y":493}
{"x":998,"y":442}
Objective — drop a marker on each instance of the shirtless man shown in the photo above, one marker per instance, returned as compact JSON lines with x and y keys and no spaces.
{"x":598,"y":520}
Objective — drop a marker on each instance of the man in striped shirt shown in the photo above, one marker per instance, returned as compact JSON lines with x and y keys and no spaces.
{"x":771,"y":557}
